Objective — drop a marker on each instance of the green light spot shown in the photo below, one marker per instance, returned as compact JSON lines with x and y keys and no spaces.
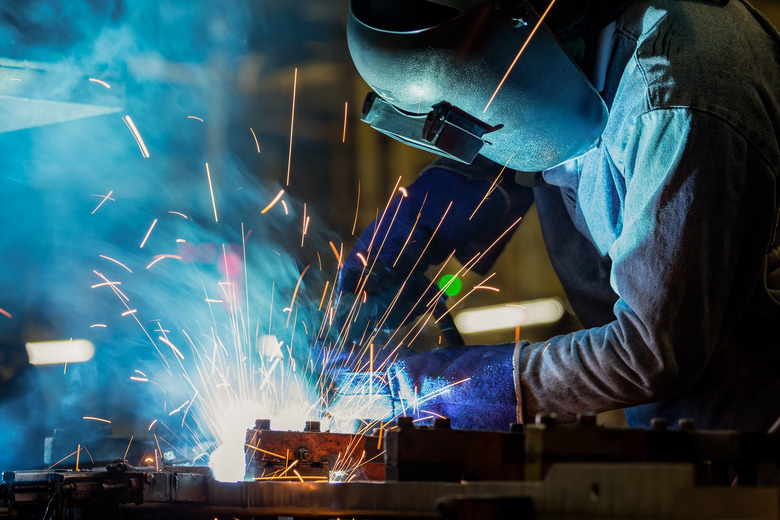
{"x":450,"y":284}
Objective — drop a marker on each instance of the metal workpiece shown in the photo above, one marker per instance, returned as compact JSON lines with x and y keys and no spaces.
{"x":311,"y":455}
{"x":35,"y":94}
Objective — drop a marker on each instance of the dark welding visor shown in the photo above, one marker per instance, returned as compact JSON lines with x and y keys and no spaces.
{"x":460,"y":62}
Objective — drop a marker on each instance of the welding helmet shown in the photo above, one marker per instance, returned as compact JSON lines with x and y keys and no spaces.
{"x":448,"y":79}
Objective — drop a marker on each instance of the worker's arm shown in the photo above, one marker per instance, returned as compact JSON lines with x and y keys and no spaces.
{"x":466,"y":212}
{"x":693,"y":216}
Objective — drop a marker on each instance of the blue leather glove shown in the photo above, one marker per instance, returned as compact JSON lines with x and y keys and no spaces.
{"x":405,"y":237}
{"x":471,"y":385}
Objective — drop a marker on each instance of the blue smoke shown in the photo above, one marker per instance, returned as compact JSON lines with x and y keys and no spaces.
{"x":169,"y":60}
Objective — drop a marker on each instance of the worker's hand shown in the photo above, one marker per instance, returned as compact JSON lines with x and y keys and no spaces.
{"x":334,"y":363}
{"x":471,"y":385}
{"x":428,"y":221}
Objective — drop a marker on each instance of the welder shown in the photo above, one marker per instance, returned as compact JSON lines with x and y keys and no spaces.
{"x":647,"y":134}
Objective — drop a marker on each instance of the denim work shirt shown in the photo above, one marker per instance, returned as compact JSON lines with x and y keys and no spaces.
{"x":663,"y":234}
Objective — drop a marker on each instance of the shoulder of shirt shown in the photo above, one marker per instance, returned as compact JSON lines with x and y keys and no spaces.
{"x":700,"y":56}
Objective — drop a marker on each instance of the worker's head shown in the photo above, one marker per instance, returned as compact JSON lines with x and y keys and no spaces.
{"x":447,"y":78}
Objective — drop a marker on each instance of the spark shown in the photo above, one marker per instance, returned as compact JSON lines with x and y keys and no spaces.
{"x":514,"y":62}
{"x":211,"y":190}
{"x":295,"y":292}
{"x":305,"y":224}
{"x":180,"y":214}
{"x":344,"y":134}
{"x":257,"y":144}
{"x":100,"y":81}
{"x":5,"y":313}
{"x":158,"y":450}
{"x":104,"y":284}
{"x":62,"y":459}
{"x":78,"y":452}
{"x":148,"y":233}
{"x":151,"y":425}
{"x":196,"y":117}
{"x":362,"y":259}
{"x":403,"y":191}
{"x":129,"y":122}
{"x":357,"y":208}
{"x":177,"y":410}
{"x":112,"y":285}
{"x":131,"y":311}
{"x":336,"y":252}
{"x":292,"y":123}
{"x":286,"y":211}
{"x":128,"y":447}
{"x":273,"y":202}
{"x":463,"y":298}
{"x":89,"y":418}
{"x":173,"y":347}
{"x":157,"y":258}
{"x":411,"y":233}
{"x":492,"y":187}
{"x":545,"y":348}
{"x":96,"y":325}
{"x":139,"y":379}
{"x":487,"y":287}
{"x":298,"y":475}
{"x":181,"y":241}
{"x":105,"y":198}
{"x":213,"y":300}
{"x":118,"y":262}
{"x":324,"y":292}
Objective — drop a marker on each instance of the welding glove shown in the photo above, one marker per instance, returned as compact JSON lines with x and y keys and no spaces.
{"x":472,"y":385}
{"x":413,"y":233}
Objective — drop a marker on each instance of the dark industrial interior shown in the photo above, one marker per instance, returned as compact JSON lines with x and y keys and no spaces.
{"x":144,"y":147}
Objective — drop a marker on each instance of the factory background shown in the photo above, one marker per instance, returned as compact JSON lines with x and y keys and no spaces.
{"x":236,"y":68}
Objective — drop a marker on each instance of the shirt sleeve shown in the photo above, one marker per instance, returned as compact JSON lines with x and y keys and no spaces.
{"x":687,"y":175}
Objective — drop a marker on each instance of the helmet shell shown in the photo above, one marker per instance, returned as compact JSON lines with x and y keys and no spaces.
{"x":417,"y":54}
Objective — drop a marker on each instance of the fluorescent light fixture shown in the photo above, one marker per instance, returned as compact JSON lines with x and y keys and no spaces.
{"x":509,"y":316}
{"x":59,"y":352}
